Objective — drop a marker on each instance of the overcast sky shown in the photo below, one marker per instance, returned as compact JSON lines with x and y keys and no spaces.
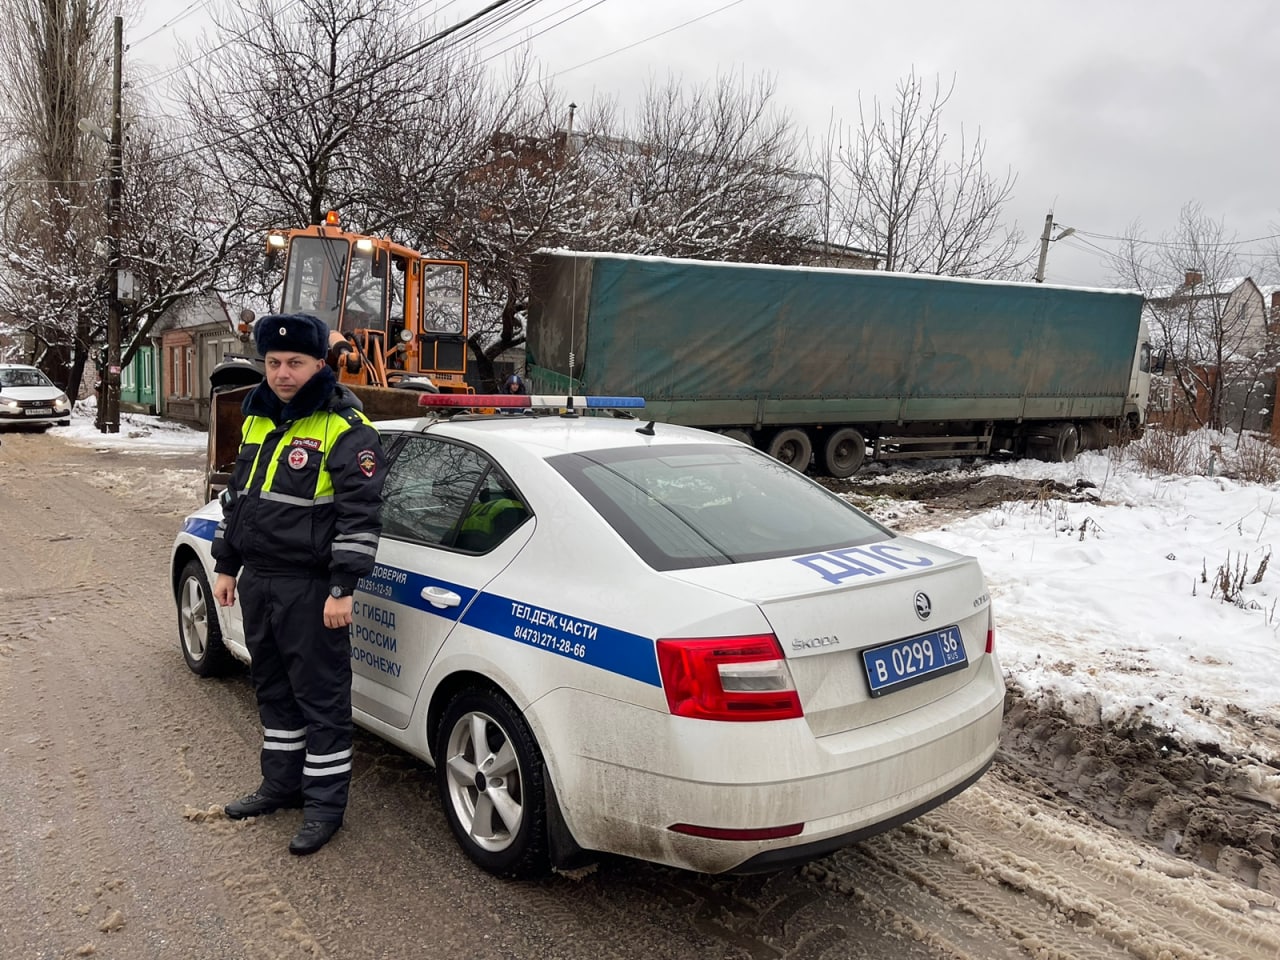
{"x":1108,"y":112}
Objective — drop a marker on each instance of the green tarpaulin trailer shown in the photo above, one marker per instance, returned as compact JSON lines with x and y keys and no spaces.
{"x":846,"y":363}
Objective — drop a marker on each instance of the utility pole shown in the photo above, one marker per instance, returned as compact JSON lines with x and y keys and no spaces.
{"x":1044,"y":247}
{"x":111,"y":386}
{"x":1045,"y":239}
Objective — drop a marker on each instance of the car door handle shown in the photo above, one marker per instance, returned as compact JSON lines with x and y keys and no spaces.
{"x":439,"y":597}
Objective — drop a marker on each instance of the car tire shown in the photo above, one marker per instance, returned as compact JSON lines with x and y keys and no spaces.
{"x":844,"y":453}
{"x":494,"y":796}
{"x":64,"y":423}
{"x":792,"y":447}
{"x":199,"y":633}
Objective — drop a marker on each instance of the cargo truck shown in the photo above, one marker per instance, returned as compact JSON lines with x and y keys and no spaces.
{"x":827,"y":367}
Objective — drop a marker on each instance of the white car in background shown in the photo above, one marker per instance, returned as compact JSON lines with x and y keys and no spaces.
{"x":648,"y":640}
{"x":28,"y":397}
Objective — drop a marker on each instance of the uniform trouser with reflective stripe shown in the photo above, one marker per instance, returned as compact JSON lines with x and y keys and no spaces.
{"x":302,"y":676}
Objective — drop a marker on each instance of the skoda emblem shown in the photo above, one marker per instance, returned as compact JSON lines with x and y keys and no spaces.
{"x":924,"y":606}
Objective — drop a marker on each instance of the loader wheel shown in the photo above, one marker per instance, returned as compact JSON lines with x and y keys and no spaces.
{"x":793,"y":448}
{"x":844,"y":453}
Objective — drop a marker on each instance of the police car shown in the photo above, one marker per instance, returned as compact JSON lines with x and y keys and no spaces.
{"x":615,"y":635}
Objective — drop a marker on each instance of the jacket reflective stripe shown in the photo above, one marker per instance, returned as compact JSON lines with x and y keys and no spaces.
{"x":355,"y":548}
{"x":366,"y":537}
{"x":296,"y":501}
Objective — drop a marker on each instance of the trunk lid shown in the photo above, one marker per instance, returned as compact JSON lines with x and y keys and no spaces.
{"x":826,"y":609}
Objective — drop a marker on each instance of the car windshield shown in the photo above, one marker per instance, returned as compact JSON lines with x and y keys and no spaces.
{"x":708,"y":504}
{"x":23,"y":377}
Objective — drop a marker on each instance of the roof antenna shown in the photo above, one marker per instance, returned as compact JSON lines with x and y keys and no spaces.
{"x":647,"y":429}
{"x":568,"y":407}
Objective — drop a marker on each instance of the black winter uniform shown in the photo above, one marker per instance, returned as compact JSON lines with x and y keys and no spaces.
{"x":303,"y":516}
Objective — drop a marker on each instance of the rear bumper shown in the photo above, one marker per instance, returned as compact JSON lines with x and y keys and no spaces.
{"x":624,"y":775}
{"x":789,"y":856}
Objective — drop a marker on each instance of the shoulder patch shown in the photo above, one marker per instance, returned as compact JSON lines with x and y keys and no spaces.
{"x":368,"y":462}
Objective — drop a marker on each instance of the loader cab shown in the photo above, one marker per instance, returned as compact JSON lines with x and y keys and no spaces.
{"x":405,"y":315}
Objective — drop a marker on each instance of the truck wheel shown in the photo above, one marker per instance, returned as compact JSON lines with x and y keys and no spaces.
{"x":737,"y":433}
{"x":198,"y":628}
{"x":1067,"y":443}
{"x":844,"y":453}
{"x":793,"y":448}
{"x":490,"y":774}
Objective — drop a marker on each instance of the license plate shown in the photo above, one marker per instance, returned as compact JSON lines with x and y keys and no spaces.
{"x":904,"y":662}
{"x":39,"y":411}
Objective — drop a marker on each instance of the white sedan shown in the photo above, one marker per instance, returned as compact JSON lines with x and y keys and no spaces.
{"x":648,"y":640}
{"x":28,"y":397}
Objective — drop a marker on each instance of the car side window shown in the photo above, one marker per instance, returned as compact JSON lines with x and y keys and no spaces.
{"x":428,"y":488}
{"x":491,"y":517}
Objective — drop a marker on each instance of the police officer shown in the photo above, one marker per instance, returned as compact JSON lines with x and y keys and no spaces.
{"x":300,"y":516}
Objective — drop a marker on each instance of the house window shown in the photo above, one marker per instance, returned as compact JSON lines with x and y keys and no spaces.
{"x":175,"y":371}
{"x":189,"y":357}
{"x":146,"y":371}
{"x":213,"y":353}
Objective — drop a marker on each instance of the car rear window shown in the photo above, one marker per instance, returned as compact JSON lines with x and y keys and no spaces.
{"x":707,"y":504}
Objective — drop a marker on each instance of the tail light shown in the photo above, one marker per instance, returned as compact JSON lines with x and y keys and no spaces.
{"x":991,"y":630}
{"x":728,"y":678}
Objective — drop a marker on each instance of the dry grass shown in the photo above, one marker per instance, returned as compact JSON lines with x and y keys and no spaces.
{"x":1255,"y":460}
{"x":1166,"y":451}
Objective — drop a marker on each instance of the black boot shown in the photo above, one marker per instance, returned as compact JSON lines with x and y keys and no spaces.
{"x":256,"y":804}
{"x":312,"y":835}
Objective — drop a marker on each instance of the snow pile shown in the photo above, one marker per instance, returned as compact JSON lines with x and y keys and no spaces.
{"x":1157,"y":604}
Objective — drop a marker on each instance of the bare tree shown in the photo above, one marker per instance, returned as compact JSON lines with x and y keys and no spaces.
{"x":1208,"y":318}
{"x":706,"y":172}
{"x":54,"y":58}
{"x":900,"y":187}
{"x":513,"y":198}
{"x":303,"y":107}
{"x":182,"y":233}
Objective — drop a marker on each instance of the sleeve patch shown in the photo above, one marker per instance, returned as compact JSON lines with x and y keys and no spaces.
{"x":368,"y":462}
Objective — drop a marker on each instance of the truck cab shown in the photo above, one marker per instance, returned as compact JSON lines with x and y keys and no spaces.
{"x":1135,"y":406}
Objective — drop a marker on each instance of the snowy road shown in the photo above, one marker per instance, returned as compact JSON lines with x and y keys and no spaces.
{"x":113,"y":759}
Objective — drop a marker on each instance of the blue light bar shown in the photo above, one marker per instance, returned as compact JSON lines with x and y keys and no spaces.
{"x":613,"y":403}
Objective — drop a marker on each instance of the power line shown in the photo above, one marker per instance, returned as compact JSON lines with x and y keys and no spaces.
{"x":190,"y":8}
{"x":185,"y":65}
{"x":558,"y":23}
{"x":374,"y":71}
{"x":652,"y":36}
{"x":1175,"y":244}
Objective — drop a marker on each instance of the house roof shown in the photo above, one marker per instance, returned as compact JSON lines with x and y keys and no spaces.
{"x":1212,"y":288}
